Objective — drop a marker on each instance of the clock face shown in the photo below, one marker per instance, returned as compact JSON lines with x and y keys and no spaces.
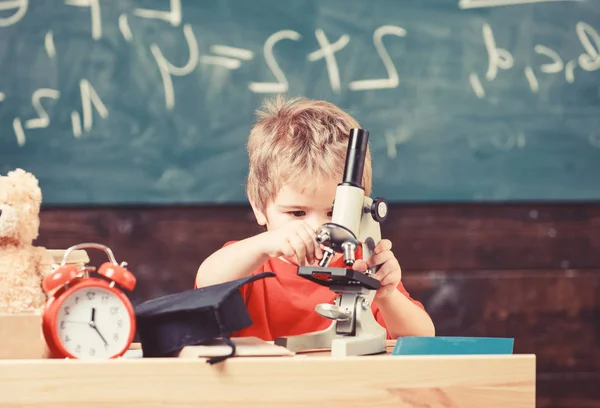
{"x":93,"y":323}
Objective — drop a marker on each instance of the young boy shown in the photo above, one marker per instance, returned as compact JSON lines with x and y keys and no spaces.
{"x":297,"y":152}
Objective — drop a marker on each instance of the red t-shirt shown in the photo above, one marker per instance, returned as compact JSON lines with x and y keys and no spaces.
{"x":284,"y":305}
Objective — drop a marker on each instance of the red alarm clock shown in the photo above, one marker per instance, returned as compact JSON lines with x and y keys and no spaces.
{"x":88,"y":317}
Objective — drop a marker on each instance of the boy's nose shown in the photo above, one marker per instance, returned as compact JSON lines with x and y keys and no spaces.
{"x":316,"y":224}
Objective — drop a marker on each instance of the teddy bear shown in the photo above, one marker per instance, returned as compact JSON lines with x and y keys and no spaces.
{"x":21,"y":263}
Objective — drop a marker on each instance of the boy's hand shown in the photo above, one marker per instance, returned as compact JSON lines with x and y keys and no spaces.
{"x":389,"y":272}
{"x":296,"y":241}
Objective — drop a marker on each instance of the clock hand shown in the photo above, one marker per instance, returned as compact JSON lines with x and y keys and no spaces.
{"x":101,"y":336}
{"x":93,"y":325}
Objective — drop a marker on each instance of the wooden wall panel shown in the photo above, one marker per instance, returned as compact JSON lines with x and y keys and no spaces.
{"x":554,"y":314}
{"x":568,"y":390}
{"x":425,"y":237}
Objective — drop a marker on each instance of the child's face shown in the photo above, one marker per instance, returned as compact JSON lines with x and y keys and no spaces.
{"x":311,"y":204}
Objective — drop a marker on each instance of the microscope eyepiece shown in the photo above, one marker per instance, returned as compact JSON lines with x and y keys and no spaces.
{"x":355,"y":157}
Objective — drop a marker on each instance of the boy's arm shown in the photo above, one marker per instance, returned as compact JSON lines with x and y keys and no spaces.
{"x":403,"y":317}
{"x":234,"y":261}
{"x":242,"y":258}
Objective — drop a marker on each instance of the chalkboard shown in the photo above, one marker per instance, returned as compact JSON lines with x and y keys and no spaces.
{"x":151,"y":101}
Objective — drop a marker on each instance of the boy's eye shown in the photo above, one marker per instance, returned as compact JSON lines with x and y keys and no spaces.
{"x":330,"y":214}
{"x":298,"y":213}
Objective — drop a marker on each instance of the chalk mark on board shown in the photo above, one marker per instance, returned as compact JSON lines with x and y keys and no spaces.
{"x":124,"y":27}
{"x":590,"y":40}
{"x":594,"y":139}
{"x":570,"y":71}
{"x":470,"y":4}
{"x":173,"y":16}
{"x":476,"y":85}
{"x":532,"y":79}
{"x":497,"y":57}
{"x":225,"y":62}
{"x":230,"y":58}
{"x":89,"y":99}
{"x":167,"y":69}
{"x":19,"y":133}
{"x":392,"y":80}
{"x":552,"y":68}
{"x":95,"y":12}
{"x":282,"y":84}
{"x":391,"y":145}
{"x":327,"y":51}
{"x":43,"y":120}
{"x":76,"y":124}
{"x":49,"y":44}
{"x":393,"y":138}
{"x":233,"y":52}
{"x":1,"y":96}
{"x":22,"y":6}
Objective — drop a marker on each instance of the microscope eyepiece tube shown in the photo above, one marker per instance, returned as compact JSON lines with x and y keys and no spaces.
{"x":355,"y":157}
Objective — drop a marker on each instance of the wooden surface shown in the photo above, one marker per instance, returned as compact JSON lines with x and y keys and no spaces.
{"x":527,"y":271}
{"x":388,"y":381}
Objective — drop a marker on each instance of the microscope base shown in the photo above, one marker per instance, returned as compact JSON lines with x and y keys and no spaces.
{"x":367,"y":336}
{"x":311,"y":341}
{"x":364,"y":345}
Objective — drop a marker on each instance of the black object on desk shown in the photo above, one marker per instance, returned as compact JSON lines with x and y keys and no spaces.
{"x":167,"y":324}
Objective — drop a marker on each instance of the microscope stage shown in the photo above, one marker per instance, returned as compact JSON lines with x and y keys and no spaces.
{"x":338,"y":277}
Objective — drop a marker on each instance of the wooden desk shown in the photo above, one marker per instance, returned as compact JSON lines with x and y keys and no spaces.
{"x":306,"y":380}
{"x":300,"y":381}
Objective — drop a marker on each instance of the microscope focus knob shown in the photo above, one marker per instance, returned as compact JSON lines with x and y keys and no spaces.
{"x":379,"y":209}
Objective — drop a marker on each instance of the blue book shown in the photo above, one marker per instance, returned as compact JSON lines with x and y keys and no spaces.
{"x":407,"y":346}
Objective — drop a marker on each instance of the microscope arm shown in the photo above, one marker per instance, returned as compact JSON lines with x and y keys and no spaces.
{"x":370,"y":233}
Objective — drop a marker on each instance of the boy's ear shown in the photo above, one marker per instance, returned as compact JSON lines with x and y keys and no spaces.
{"x":261,"y":219}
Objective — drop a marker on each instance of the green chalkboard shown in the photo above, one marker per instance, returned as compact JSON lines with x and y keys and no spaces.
{"x":151,"y":101}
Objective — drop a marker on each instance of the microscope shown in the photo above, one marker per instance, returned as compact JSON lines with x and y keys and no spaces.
{"x":355,"y":221}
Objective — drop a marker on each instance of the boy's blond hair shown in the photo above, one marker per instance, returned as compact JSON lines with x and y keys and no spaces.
{"x":298,"y":141}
